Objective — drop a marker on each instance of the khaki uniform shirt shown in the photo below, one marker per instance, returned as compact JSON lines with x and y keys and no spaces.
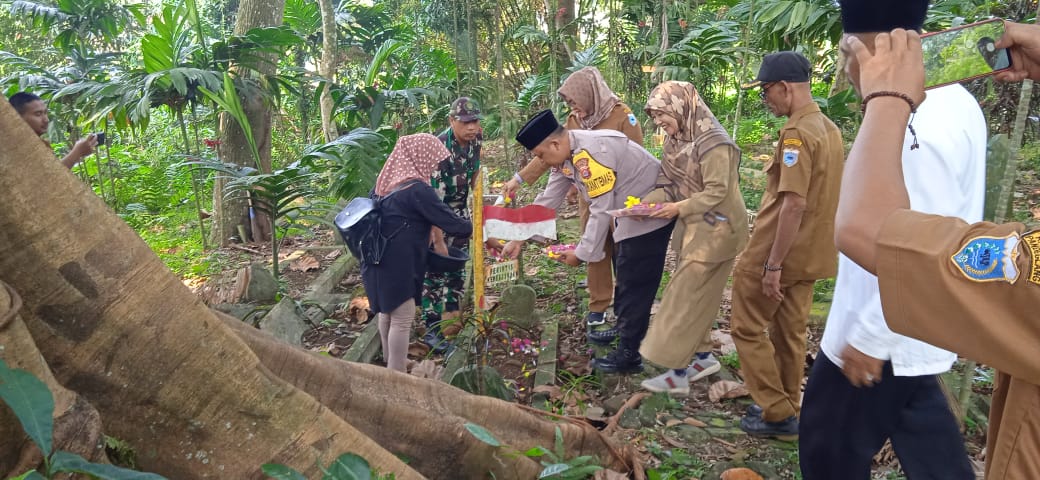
{"x":808,"y":161}
{"x":713,"y":221}
{"x":974,"y":289}
{"x":620,"y":119}
{"x":607,"y":168}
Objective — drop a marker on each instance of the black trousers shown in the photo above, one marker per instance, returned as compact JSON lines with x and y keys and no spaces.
{"x":639,"y":262}
{"x":842,"y":427}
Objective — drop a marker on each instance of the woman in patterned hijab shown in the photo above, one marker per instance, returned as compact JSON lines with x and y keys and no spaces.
{"x":394,"y":285}
{"x":699,"y":173}
{"x":414,"y":157}
{"x":588,"y":96}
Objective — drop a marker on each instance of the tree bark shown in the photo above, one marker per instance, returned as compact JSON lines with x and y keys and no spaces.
{"x":202,"y":396}
{"x":230,"y":213}
{"x":327,"y":68}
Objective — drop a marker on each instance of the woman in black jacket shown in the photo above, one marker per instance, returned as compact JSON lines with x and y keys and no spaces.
{"x":394,"y":286}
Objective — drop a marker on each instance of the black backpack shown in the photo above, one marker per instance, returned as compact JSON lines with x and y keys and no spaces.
{"x":361,"y":226}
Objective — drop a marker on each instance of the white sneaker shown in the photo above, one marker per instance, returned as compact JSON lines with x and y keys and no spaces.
{"x":667,"y":382}
{"x":701,"y":368}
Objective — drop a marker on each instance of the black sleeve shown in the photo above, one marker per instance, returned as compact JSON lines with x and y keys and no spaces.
{"x":430,"y":206}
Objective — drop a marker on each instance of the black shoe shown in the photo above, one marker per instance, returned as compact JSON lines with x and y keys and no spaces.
{"x":595,"y":319}
{"x":753,"y":410}
{"x":758,"y":427}
{"x":603,"y":337}
{"x":622,"y":360}
{"x":436,"y":342}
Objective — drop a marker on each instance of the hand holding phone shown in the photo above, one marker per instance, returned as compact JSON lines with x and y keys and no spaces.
{"x":964,"y":53}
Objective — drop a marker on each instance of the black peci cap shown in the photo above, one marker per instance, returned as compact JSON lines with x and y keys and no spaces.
{"x":782,"y":66}
{"x":867,"y":16}
{"x":540,"y":126}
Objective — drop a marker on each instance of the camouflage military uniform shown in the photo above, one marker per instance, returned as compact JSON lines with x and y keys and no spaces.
{"x":453,"y":179}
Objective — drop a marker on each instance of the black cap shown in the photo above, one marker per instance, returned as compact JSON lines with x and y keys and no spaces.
{"x":782,"y":66}
{"x":865,"y":16}
{"x":540,"y":126}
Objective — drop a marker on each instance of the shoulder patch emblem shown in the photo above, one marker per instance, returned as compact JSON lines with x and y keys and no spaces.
{"x":632,"y":119}
{"x":1032,"y":243}
{"x":566,"y":171}
{"x":792,"y":142}
{"x":790,"y":157}
{"x":597,"y":178}
{"x":989,"y":259}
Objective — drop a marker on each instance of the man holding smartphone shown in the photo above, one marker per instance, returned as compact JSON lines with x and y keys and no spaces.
{"x":34,"y":112}
{"x":924,"y":293}
{"x":869,"y":384}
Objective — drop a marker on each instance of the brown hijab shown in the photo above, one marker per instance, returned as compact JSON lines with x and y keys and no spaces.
{"x":590,"y":92}
{"x":414,"y":157}
{"x":699,"y":131}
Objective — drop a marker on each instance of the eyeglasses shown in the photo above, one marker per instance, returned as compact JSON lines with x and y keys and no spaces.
{"x":765,"y":90}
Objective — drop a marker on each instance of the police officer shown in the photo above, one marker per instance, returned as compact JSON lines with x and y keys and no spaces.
{"x":593,"y":106}
{"x":607,"y":168}
{"x":792,"y":246}
{"x":970,"y":288}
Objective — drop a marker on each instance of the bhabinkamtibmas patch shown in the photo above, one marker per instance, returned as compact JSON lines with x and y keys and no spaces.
{"x":989,"y":259}
{"x":1032,"y":243}
{"x":597,"y":178}
{"x":791,"y":148}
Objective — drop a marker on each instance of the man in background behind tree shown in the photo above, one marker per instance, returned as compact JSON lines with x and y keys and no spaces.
{"x":34,"y":112}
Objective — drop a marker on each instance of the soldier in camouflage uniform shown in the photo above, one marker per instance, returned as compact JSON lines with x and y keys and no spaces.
{"x":453,"y":179}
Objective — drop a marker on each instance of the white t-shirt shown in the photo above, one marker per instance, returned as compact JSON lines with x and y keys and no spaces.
{"x":945,"y":176}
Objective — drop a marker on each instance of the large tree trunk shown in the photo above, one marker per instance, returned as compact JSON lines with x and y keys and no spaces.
{"x":229,"y":214}
{"x":77,"y":425}
{"x":327,"y":68}
{"x":185,"y":387}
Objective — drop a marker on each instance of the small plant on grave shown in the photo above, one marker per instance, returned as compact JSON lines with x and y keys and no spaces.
{"x":555,"y":463}
{"x":347,"y":467}
{"x":33,"y":404}
{"x":731,"y":360}
{"x":675,"y":463}
{"x":486,"y":330}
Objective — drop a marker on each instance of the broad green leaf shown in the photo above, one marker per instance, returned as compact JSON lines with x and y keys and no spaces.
{"x":30,"y":475}
{"x":482,"y":434}
{"x":281,"y":472}
{"x":536,"y":452}
{"x":348,"y":467}
{"x":63,"y":461}
{"x":554,"y":469}
{"x":31,"y":402}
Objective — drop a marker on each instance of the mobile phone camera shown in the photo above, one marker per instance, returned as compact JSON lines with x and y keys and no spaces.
{"x":100,"y":136}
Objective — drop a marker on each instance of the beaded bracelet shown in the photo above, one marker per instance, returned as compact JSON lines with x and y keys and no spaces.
{"x":771,"y":268}
{"x":907,"y":99}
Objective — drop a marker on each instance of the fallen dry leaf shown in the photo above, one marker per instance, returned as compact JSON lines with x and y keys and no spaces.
{"x":334,"y":254}
{"x":427,"y":369}
{"x":673,"y":422}
{"x":694,"y":422}
{"x":418,"y":349}
{"x":740,"y":474}
{"x":723,"y":342}
{"x":358,"y":310}
{"x":293,"y":256}
{"x":305,"y":263}
{"x":553,"y":391}
{"x":673,"y":442}
{"x":726,"y":389}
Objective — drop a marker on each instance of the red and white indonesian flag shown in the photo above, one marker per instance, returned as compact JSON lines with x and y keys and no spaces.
{"x":519,"y":223}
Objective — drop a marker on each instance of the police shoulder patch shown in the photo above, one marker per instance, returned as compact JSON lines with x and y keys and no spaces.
{"x":632,"y":119}
{"x":989,"y":259}
{"x":1032,"y":242}
{"x":790,"y":156}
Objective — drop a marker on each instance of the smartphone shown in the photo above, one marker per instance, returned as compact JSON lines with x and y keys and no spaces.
{"x":100,"y":136}
{"x":963,"y":53}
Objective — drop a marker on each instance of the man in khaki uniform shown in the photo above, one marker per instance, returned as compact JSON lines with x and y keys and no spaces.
{"x":607,"y":168}
{"x":791,"y":247}
{"x":973,"y":289}
{"x":593,"y":107}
